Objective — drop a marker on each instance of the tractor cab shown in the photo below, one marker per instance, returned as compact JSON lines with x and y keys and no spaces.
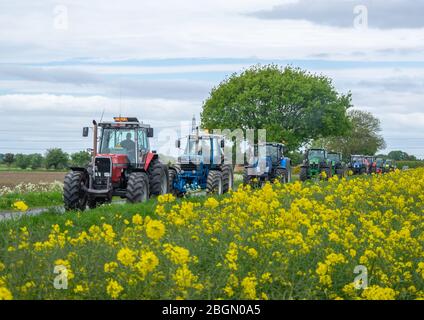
{"x":315,"y":164}
{"x":357,"y":164}
{"x":378,"y":165}
{"x":370,"y":163}
{"x":338,"y":167}
{"x":201,"y":149}
{"x":316,"y":156}
{"x":334,"y":158}
{"x":268,"y":166}
{"x":202,"y":165}
{"x":389,"y":165}
{"x":125,"y":139}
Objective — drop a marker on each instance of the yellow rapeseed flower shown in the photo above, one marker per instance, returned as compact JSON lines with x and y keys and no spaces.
{"x":155,"y":229}
{"x":20,"y":205}
{"x":114,"y":289}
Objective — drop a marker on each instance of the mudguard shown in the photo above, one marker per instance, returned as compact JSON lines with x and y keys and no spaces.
{"x":150,"y":156}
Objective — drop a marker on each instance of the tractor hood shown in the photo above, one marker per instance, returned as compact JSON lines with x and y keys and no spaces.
{"x":117,"y":159}
{"x":315,"y":160}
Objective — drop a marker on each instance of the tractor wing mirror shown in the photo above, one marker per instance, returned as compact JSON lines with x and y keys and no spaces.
{"x":85,"y":132}
{"x":178,"y":144}
{"x":150,"y":132}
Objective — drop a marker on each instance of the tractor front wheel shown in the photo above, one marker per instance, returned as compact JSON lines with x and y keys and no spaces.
{"x":137,"y":187}
{"x":303,"y":174}
{"x":281,"y":175}
{"x":246,"y":178}
{"x":227,"y":177}
{"x":172,"y":174}
{"x":74,"y":195}
{"x":158,"y":177}
{"x":214,"y":183}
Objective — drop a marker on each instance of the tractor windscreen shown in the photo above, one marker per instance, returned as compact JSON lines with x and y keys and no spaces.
{"x":123,"y":141}
{"x":272,"y":151}
{"x":357,"y":159}
{"x":333,"y":157}
{"x":316,"y":154}
{"x":197,"y":147}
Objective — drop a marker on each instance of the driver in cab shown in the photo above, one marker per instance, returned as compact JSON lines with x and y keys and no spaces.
{"x":129,"y":145}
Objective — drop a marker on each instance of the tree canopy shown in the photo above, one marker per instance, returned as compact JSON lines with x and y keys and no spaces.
{"x":293,"y":105}
{"x":362,"y":138}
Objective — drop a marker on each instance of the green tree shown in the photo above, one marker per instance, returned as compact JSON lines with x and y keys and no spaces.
{"x":362,"y":138}
{"x":8,"y":159}
{"x":22,"y":161}
{"x":36,"y":161}
{"x":293,"y":105}
{"x":56,"y":158}
{"x":80,"y":159}
{"x":401,"y":156}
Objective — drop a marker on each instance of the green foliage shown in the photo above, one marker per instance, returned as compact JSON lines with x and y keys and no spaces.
{"x":362,"y":138}
{"x":36,"y":161}
{"x":22,"y":161}
{"x":401,"y":156}
{"x":410,"y":164}
{"x":294,"y":106}
{"x":80,"y":159}
{"x":33,"y":199}
{"x":296,"y":157}
{"x":56,"y":158}
{"x":8,"y":159}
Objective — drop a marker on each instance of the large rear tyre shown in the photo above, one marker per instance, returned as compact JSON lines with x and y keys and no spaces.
{"x":158,"y":177}
{"x":303,"y":174}
{"x":227,"y":177}
{"x":137,"y":187}
{"x":214,"y":183}
{"x":74,"y":196}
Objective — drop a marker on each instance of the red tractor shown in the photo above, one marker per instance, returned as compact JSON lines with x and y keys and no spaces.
{"x":123,"y":166}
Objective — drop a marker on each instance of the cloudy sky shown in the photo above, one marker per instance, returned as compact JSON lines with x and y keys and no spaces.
{"x":62,"y":63}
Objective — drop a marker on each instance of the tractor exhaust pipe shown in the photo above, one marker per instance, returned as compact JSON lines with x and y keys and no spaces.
{"x":94,"y":139}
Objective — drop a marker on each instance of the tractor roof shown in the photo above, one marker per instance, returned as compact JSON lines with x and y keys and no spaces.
{"x":124,"y":122}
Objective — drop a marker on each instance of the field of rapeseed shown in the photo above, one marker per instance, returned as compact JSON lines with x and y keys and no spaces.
{"x":295,"y":241}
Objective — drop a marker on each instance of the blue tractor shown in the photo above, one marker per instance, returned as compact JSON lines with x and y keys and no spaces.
{"x":202,"y":166}
{"x":273,"y":165}
{"x":358,"y":164}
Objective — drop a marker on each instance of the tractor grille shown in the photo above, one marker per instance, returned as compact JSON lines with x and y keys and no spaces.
{"x":188,"y":167}
{"x":103,"y":172}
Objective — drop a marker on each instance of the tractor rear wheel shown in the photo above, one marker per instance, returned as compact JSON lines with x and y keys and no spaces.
{"x":158,"y":177}
{"x":227,"y":177}
{"x":74,"y":196}
{"x":214,"y":183}
{"x":137,"y":187}
{"x":303,"y":174}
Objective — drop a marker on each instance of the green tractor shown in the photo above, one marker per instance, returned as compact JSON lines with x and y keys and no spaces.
{"x":338,"y":167}
{"x":316,"y":163}
{"x":389,"y":166}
